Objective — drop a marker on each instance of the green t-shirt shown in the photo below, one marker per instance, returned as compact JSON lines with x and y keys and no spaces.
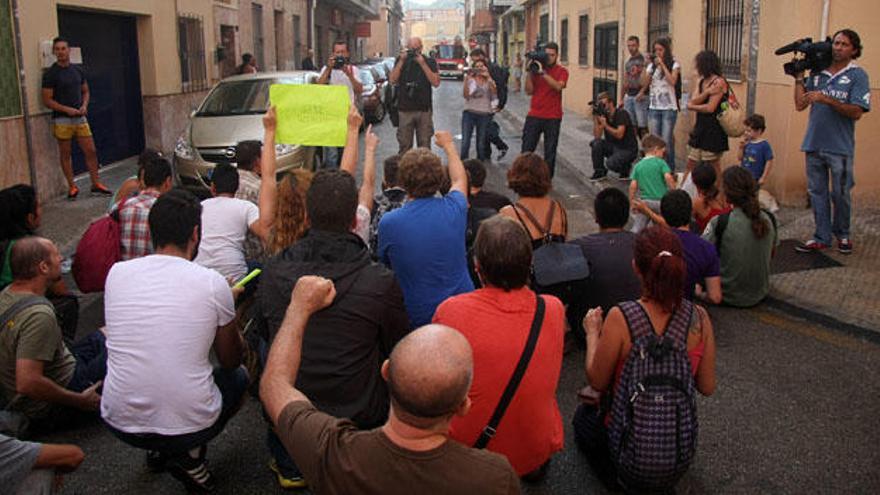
{"x":745,"y":260}
{"x":32,"y":334}
{"x":648,"y":173}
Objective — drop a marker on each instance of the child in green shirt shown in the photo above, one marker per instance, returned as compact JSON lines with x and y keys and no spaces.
{"x":651,"y":178}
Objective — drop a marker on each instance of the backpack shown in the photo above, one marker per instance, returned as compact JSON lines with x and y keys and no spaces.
{"x":653,"y":430}
{"x":554,"y":262}
{"x":97,"y":251}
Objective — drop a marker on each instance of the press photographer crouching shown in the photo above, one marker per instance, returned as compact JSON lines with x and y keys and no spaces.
{"x":545,"y":82}
{"x":415,"y":76}
{"x":615,"y":147}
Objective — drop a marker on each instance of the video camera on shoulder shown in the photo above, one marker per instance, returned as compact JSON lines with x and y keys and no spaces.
{"x":537,"y":58}
{"x":816,"y":57}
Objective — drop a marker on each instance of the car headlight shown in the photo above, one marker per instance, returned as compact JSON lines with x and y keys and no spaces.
{"x":284,"y":149}
{"x":183,"y":149}
{"x":460,"y":66}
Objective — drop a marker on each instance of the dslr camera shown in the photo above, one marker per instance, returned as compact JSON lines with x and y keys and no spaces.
{"x":411,"y":53}
{"x":816,"y":57}
{"x":537,"y":58}
{"x":339,"y":62}
{"x":598,"y":109}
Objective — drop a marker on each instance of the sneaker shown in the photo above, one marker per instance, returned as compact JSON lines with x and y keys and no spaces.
{"x":285,"y":481}
{"x":98,"y":188}
{"x":192,"y":472}
{"x":844,"y":246}
{"x":502,"y":153}
{"x":810,"y":246}
{"x":72,"y":192}
{"x":156,"y":461}
{"x":598,"y":176}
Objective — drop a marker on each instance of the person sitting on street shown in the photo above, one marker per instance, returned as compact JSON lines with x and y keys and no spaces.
{"x":28,"y":468}
{"x":424,"y":241}
{"x":529,"y":177}
{"x":391,"y":198}
{"x":479,"y":197}
{"x":746,"y":243}
{"x":651,"y":178}
{"x":428,"y":375}
{"x":133,"y":185}
{"x":249,"y":165}
{"x":497,"y":320}
{"x":709,"y":202}
{"x":134,"y":229}
{"x":346,"y":342}
{"x":42,"y":379}
{"x":165,"y":317}
{"x":610,"y":255}
{"x":615,"y":146}
{"x":349,"y":162}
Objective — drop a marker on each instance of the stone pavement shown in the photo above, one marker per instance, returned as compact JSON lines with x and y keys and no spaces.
{"x":844,"y":297}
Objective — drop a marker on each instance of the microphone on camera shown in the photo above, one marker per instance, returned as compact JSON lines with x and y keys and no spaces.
{"x":793,"y":46}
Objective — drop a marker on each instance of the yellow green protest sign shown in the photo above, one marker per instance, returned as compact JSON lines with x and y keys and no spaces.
{"x":310,"y":114}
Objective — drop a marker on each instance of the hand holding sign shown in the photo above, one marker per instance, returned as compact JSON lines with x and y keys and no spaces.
{"x":310,"y":114}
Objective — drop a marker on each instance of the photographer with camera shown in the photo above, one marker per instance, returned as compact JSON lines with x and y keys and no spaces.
{"x":500,"y":75}
{"x":837,"y":97}
{"x":615,"y":147}
{"x":339,"y":71}
{"x":415,"y":76}
{"x":545,"y":82}
{"x":479,"y":90}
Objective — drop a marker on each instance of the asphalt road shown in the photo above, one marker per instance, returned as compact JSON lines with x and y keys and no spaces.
{"x":796,"y":408}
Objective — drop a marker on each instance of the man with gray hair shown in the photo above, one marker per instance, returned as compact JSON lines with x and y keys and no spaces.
{"x":429,"y":374}
{"x":415,"y":76}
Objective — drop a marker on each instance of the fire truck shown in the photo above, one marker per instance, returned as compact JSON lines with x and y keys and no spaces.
{"x":450,"y":59}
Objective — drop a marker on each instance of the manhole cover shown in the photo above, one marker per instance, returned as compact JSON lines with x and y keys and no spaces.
{"x":788,"y":260}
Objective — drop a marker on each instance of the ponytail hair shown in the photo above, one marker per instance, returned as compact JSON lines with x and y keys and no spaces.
{"x":659,"y":259}
{"x":742,"y":192}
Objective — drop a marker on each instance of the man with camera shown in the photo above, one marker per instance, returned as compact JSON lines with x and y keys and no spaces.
{"x":339,"y":71}
{"x":837,"y":97}
{"x":617,"y":148}
{"x":545,"y":83}
{"x":415,"y":76}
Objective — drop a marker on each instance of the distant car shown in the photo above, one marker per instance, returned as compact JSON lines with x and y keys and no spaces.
{"x":371,"y":97}
{"x":388,"y":62}
{"x":232,"y":112}
{"x":381,"y":72}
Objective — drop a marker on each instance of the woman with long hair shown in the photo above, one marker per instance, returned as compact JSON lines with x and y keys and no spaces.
{"x":479,"y":90}
{"x":709,"y":202}
{"x":745,"y":238}
{"x":662,"y":309}
{"x":290,"y":215}
{"x":708,"y":141}
{"x":664,"y":75}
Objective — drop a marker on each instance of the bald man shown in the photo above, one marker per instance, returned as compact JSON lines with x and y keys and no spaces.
{"x":415,"y":76}
{"x":428,"y":373}
{"x":44,"y":380}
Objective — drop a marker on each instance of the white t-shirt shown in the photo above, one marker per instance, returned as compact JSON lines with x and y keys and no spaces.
{"x":662,"y":93}
{"x":162,"y":315}
{"x":225,"y":223}
{"x":340,"y":78}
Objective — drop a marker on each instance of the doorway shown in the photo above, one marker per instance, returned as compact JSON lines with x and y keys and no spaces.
{"x":110,"y":59}
{"x":227,"y":41}
{"x":605,"y":56}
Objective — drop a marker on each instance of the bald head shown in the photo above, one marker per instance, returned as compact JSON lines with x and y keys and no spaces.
{"x":415,"y":42}
{"x":429,"y":374}
{"x":33,"y":256}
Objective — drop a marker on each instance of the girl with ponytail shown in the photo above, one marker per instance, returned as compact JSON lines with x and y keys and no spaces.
{"x":745,"y":239}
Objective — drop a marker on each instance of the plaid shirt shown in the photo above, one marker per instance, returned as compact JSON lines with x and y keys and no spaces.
{"x":134,"y":228}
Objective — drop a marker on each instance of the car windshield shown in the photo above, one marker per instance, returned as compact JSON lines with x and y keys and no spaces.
{"x":241,"y":97}
{"x":366,"y":76}
{"x":450,"y":51}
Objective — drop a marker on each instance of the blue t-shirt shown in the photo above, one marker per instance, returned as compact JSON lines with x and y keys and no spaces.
{"x":755,"y":157}
{"x":828,"y":130}
{"x":702,"y":260}
{"x":424,"y":243}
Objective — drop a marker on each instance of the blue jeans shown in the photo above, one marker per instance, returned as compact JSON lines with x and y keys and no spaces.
{"x":638,"y":110}
{"x":469,"y":121}
{"x":90,"y":353}
{"x":840,"y":168}
{"x":662,"y":123}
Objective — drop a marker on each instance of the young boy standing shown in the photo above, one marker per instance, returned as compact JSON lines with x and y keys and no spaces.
{"x":755,"y":153}
{"x":651,"y":178}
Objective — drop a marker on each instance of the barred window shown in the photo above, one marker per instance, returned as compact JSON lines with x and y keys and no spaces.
{"x":658,"y":21}
{"x":583,"y":39}
{"x":605,"y":47}
{"x":563,"y":40}
{"x":724,"y":28}
{"x":191,"y":45}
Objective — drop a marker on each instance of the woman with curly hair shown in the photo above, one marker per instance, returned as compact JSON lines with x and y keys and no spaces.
{"x":290,"y":215}
{"x":745,"y":238}
{"x":543,"y":217}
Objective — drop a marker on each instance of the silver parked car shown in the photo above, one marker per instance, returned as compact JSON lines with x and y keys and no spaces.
{"x":233,"y":112}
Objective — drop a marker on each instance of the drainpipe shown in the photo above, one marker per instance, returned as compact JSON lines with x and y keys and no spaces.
{"x":310,"y":22}
{"x":621,"y":33}
{"x":754,"y":31}
{"x":22,"y":88}
{"x":826,"y":7}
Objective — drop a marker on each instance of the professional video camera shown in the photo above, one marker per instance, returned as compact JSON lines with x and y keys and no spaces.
{"x":537,"y":58}
{"x":817,"y":56}
{"x":598,"y":109}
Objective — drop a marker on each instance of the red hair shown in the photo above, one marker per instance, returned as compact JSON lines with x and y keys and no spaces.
{"x":660,"y":261}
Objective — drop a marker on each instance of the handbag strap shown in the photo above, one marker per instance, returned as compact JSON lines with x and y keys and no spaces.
{"x":490,"y":429}
{"x":543,"y":230}
{"x":19,"y":306}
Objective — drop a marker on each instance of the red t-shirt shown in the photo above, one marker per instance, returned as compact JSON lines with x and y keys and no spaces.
{"x":497,"y":324}
{"x":546,"y":101}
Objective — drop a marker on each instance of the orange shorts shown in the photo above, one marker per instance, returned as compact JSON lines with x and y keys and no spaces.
{"x":66,"y":128}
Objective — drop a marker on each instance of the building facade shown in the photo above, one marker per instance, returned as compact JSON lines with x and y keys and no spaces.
{"x":434,"y":25}
{"x":149,"y":64}
{"x":385,"y":31}
{"x":745,"y":33}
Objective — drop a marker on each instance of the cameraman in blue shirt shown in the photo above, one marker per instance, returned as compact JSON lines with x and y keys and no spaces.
{"x":837,"y":97}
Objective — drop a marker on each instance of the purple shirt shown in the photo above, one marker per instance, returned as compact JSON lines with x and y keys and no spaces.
{"x":702,"y":260}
